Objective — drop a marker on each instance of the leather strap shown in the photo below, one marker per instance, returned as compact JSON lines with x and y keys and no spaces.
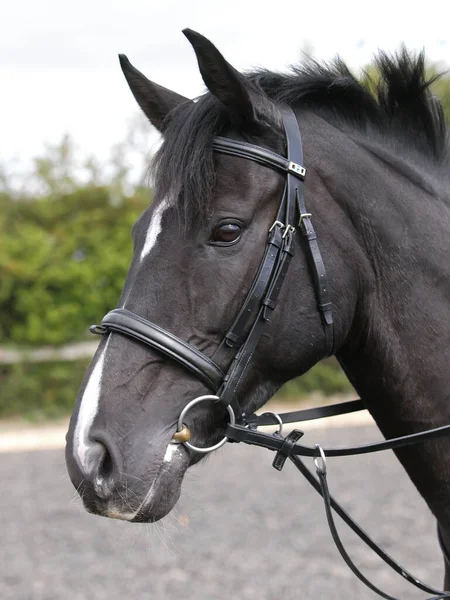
{"x":260,"y":155}
{"x":270,"y":300}
{"x":321,"y":486}
{"x":253,"y":300}
{"x":318,"y":271}
{"x":238,"y":433}
{"x":279,"y":264}
{"x":295,"y":151}
{"x":128,"y":323}
{"x":286,"y":449}
{"x":308,"y":414}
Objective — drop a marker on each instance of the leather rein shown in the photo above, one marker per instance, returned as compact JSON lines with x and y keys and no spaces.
{"x":243,"y":337}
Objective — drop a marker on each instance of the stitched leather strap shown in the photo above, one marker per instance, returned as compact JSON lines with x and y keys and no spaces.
{"x":128,"y":323}
{"x":308,"y":414}
{"x":238,"y":433}
{"x":295,"y":150}
{"x":261,"y":155}
{"x":286,"y":449}
{"x":270,"y":300}
{"x":253,"y":300}
{"x":318,"y":271}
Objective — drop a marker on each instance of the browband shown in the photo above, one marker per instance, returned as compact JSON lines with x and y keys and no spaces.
{"x":260,"y":155}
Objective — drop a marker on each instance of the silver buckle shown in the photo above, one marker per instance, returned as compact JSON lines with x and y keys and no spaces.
{"x":276,"y":224}
{"x":297,"y":169}
{"x":289,"y":229}
{"x":304,"y":216}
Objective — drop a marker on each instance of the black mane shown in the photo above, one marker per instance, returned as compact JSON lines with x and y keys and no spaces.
{"x":398,"y":109}
{"x":398,"y":105}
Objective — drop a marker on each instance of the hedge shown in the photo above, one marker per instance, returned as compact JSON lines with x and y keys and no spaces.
{"x":63,"y":261}
{"x":38,"y":391}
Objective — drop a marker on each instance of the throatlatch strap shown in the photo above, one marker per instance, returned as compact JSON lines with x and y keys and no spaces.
{"x":295,"y":151}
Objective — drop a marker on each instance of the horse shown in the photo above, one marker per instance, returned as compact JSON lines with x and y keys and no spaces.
{"x":376,"y":189}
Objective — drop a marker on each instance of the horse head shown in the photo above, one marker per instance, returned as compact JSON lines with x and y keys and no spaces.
{"x":197,"y":251}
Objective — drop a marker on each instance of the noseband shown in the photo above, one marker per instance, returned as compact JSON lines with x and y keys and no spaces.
{"x":263,"y":294}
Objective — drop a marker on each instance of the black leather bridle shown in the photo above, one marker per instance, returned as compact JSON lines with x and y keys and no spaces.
{"x":246,"y":331}
{"x":263,"y":294}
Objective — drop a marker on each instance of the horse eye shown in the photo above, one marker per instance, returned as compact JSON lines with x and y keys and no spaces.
{"x":226,"y":233}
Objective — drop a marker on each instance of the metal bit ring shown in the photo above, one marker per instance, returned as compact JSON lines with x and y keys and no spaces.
{"x":181,"y":425}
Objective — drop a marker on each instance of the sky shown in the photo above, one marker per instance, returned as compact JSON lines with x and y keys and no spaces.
{"x":60,"y":73}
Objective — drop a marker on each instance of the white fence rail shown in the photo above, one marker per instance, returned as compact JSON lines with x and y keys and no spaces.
{"x":73,"y":351}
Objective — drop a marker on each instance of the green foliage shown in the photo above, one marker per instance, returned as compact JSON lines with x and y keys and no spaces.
{"x":40,"y":390}
{"x":440,"y":87}
{"x":326,"y":377}
{"x":63,"y":261}
{"x":48,"y":390}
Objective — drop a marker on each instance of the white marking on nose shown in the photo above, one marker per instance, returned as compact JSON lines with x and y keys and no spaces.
{"x":154,"y":229}
{"x":171,"y":449}
{"x":88,"y":409}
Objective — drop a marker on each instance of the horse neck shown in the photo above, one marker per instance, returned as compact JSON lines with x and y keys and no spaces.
{"x":398,"y":347}
{"x":397,"y":350}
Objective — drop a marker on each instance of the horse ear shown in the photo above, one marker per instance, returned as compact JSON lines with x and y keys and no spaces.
{"x":156,"y":101}
{"x":221,"y":79}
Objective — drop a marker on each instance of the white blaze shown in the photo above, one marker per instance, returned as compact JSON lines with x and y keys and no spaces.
{"x":88,"y":409}
{"x":91,"y":396}
{"x":154,"y":229}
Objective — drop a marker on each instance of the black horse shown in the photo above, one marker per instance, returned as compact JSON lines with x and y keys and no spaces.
{"x":378,"y":191}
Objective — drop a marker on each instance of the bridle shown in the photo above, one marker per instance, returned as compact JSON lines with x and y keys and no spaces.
{"x":262,"y":296}
{"x":245,"y":332}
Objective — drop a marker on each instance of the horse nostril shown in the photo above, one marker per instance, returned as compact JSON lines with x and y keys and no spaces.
{"x":105,"y":467}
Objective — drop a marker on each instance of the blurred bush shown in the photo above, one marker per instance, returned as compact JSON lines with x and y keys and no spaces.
{"x":326,"y":377}
{"x":38,"y":391}
{"x":63,"y":261}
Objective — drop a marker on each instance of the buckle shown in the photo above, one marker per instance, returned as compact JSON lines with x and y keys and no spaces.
{"x":304,"y":216}
{"x":276,"y":224}
{"x":297,"y":169}
{"x":288,"y":230}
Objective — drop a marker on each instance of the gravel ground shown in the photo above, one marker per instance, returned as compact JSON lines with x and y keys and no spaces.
{"x":241,"y":530}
